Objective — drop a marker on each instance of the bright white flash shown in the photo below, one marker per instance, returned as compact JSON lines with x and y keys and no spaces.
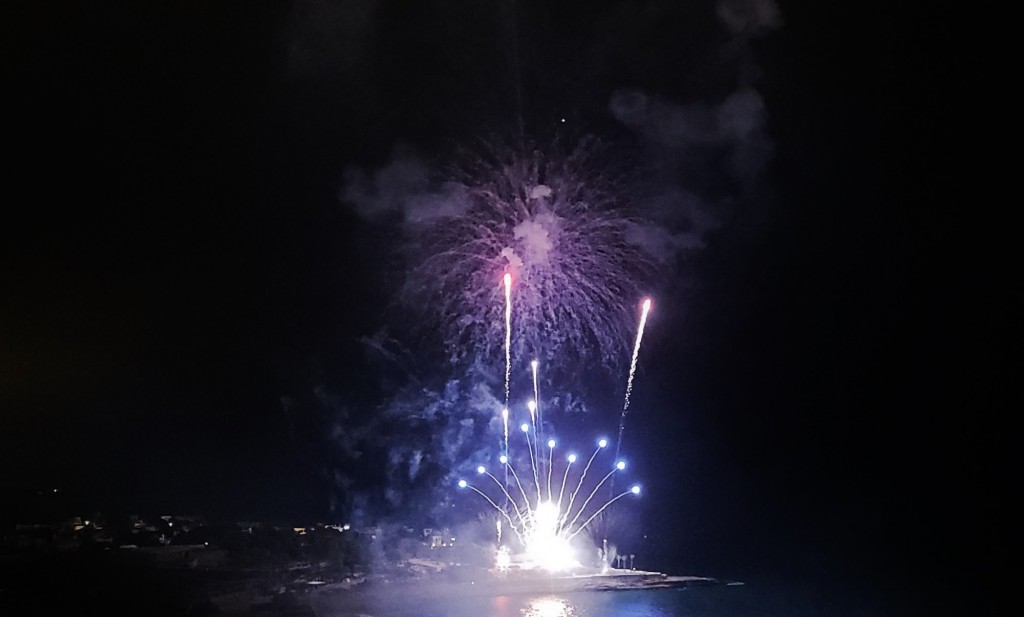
{"x":504,"y":559}
{"x":545,"y":546}
{"x":543,"y":527}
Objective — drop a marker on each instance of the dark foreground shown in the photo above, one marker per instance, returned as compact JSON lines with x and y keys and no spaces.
{"x":83,"y":586}
{"x":99,"y":584}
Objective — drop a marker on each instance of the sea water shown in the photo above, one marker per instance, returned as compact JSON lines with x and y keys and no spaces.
{"x":704,"y":601}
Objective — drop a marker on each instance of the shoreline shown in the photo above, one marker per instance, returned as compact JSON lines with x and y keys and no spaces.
{"x":371,"y":594}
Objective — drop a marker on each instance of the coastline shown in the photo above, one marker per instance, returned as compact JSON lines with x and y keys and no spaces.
{"x":371,"y":594}
{"x":334,"y":598}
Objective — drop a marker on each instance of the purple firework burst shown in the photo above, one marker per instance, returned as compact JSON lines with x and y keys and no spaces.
{"x":568,"y":231}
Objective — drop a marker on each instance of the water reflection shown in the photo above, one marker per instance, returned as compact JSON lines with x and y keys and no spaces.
{"x":549,"y":607}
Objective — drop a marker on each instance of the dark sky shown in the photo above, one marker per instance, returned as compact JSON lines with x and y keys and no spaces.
{"x":175,"y":259}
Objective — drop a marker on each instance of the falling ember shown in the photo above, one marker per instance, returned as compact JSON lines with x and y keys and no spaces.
{"x":632,"y":371}
{"x":508,"y":332}
{"x":504,"y":421}
{"x":536,"y":393}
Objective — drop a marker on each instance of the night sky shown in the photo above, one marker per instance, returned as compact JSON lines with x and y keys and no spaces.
{"x":819,"y":387}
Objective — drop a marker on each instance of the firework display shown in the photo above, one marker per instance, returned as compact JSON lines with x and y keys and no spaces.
{"x":565,"y":233}
{"x":544,"y":517}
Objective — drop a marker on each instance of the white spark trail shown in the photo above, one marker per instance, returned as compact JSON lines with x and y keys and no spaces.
{"x":595,"y":515}
{"x":539,"y":423}
{"x":591,"y":496}
{"x":508,"y":332}
{"x":509,"y":467}
{"x":543,"y":530}
{"x":532,"y":406}
{"x":508,"y":497}
{"x":632,"y":372}
{"x":507,"y":517}
{"x":504,"y":420}
{"x":536,"y":395}
{"x":533,"y":464}
{"x":561,"y":491}
{"x":551,"y":453}
{"x":572,"y":494}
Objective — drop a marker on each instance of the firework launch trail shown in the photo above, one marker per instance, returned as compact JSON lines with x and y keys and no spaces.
{"x":632,"y":371}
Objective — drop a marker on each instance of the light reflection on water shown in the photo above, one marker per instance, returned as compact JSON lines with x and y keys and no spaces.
{"x":649,"y":603}
{"x":549,"y":607}
{"x":712,"y":601}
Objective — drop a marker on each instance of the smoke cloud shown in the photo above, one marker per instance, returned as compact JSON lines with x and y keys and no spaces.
{"x":406,"y":186}
{"x":414,"y":442}
{"x":749,"y":17}
{"x":707,"y":154}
